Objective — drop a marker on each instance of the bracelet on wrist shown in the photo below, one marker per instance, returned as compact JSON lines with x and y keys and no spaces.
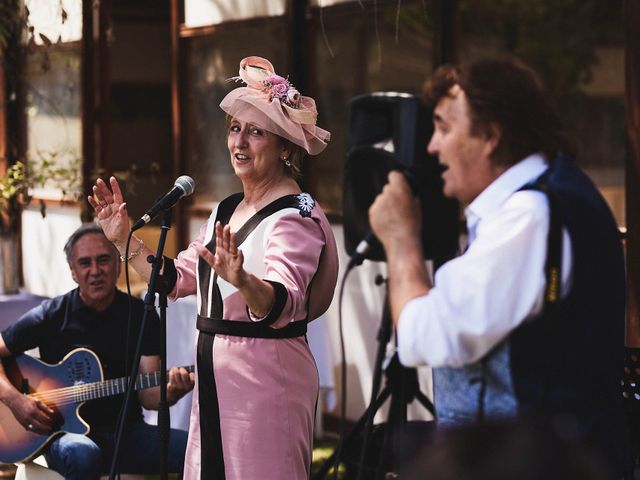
{"x":133,"y":254}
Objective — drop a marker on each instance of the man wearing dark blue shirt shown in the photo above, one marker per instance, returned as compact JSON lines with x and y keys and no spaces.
{"x":95,"y":316}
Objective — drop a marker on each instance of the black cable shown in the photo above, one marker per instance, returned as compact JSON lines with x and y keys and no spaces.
{"x":127,"y":366}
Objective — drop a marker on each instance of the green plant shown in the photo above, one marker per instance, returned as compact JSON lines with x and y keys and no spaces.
{"x":58,"y":170}
{"x":45,"y":170}
{"x":14,"y":193}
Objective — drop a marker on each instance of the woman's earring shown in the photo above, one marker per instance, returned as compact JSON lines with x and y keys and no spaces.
{"x":286,"y":160}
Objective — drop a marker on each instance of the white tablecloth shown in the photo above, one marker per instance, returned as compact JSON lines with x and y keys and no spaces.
{"x":181,"y":338}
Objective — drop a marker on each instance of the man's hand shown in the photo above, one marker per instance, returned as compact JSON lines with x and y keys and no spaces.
{"x":395,"y":219}
{"x":33,"y":415}
{"x":180,"y":383}
{"x":395,"y":214}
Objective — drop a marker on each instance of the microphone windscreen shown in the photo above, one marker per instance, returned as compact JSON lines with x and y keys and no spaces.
{"x":186,"y":183}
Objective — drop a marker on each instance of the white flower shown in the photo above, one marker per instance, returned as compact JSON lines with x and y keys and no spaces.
{"x":305,"y":204}
{"x":293,"y":97}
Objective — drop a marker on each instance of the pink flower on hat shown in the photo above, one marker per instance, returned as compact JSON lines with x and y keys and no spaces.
{"x":274,"y":79}
{"x":280,"y":88}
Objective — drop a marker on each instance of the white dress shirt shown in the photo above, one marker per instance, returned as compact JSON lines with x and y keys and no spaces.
{"x":498,"y":283}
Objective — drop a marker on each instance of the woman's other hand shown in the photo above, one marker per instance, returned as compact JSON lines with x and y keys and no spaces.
{"x":227,"y":261}
{"x":111,"y":210}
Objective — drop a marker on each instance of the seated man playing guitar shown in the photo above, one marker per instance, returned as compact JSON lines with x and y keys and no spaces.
{"x":93,"y":316}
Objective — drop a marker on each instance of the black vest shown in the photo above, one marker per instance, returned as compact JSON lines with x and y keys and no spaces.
{"x":568,"y":363}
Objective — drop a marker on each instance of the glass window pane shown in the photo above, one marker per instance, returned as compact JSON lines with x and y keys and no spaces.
{"x":357,"y":53}
{"x":54,"y":130}
{"x":140,"y":136}
{"x":199,"y":13}
{"x":210,"y":61}
{"x":58,"y":21}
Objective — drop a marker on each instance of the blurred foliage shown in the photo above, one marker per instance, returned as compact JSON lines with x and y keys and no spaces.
{"x":56,"y":170}
{"x":12,"y":21}
{"x":60,"y":171}
{"x":322,"y":450}
{"x":558,"y":38}
{"x":14,"y":24}
{"x":14,"y":192}
{"x":45,"y":170}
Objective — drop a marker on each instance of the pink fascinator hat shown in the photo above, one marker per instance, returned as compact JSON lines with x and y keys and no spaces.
{"x":271,"y":102}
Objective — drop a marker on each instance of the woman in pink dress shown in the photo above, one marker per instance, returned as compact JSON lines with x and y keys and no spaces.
{"x":263,"y":266}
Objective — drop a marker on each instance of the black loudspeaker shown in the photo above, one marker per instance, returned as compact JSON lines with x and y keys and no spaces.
{"x":390,"y":131}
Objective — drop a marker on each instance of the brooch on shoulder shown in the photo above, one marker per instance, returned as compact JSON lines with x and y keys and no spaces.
{"x":305,"y":204}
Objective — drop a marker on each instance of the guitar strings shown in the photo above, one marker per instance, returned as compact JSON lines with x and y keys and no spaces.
{"x":88,"y":391}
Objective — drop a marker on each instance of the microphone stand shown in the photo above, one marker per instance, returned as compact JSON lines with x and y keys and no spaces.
{"x":156,"y":285}
{"x":163,"y":407}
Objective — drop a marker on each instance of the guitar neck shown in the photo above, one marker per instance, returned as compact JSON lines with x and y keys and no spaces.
{"x":116,"y":386}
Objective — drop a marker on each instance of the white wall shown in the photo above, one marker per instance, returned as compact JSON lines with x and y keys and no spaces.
{"x":44,"y":265}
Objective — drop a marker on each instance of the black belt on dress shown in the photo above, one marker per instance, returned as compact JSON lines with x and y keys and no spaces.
{"x":214,"y":326}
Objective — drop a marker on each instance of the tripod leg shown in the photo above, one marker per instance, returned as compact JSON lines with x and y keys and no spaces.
{"x":426,"y":403}
{"x":357,"y":428}
{"x":404,"y":387}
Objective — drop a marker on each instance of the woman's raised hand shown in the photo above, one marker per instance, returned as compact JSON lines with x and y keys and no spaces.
{"x":228,"y":259}
{"x":111,"y":210}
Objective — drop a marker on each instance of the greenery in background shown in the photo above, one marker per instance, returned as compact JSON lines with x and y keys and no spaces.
{"x":56,"y":170}
{"x":59,"y":170}
{"x":14,"y":23}
{"x":11,"y":21}
{"x":23,"y":174}
{"x":43,"y":171}
{"x":14,"y":192}
{"x":565,"y":41}
{"x":322,"y":450}
{"x":558,"y":38}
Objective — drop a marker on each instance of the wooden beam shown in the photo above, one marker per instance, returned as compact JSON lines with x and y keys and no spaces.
{"x":300,"y":61}
{"x":177,"y":74}
{"x":103,"y":86}
{"x":445,"y":34}
{"x":87,"y":79}
{"x":4,"y":162}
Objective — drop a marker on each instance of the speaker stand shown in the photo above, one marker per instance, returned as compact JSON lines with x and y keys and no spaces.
{"x":402,"y":387}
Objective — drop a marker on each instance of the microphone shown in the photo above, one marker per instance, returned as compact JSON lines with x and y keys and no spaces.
{"x":184,"y":186}
{"x":369,"y":238}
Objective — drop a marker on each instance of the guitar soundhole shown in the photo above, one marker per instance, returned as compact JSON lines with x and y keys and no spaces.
{"x":79,"y":370}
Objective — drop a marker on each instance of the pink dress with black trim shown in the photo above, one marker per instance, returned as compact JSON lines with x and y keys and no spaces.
{"x":256,"y":396}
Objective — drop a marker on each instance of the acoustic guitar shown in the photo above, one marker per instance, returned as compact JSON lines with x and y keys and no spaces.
{"x":64,"y":388}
